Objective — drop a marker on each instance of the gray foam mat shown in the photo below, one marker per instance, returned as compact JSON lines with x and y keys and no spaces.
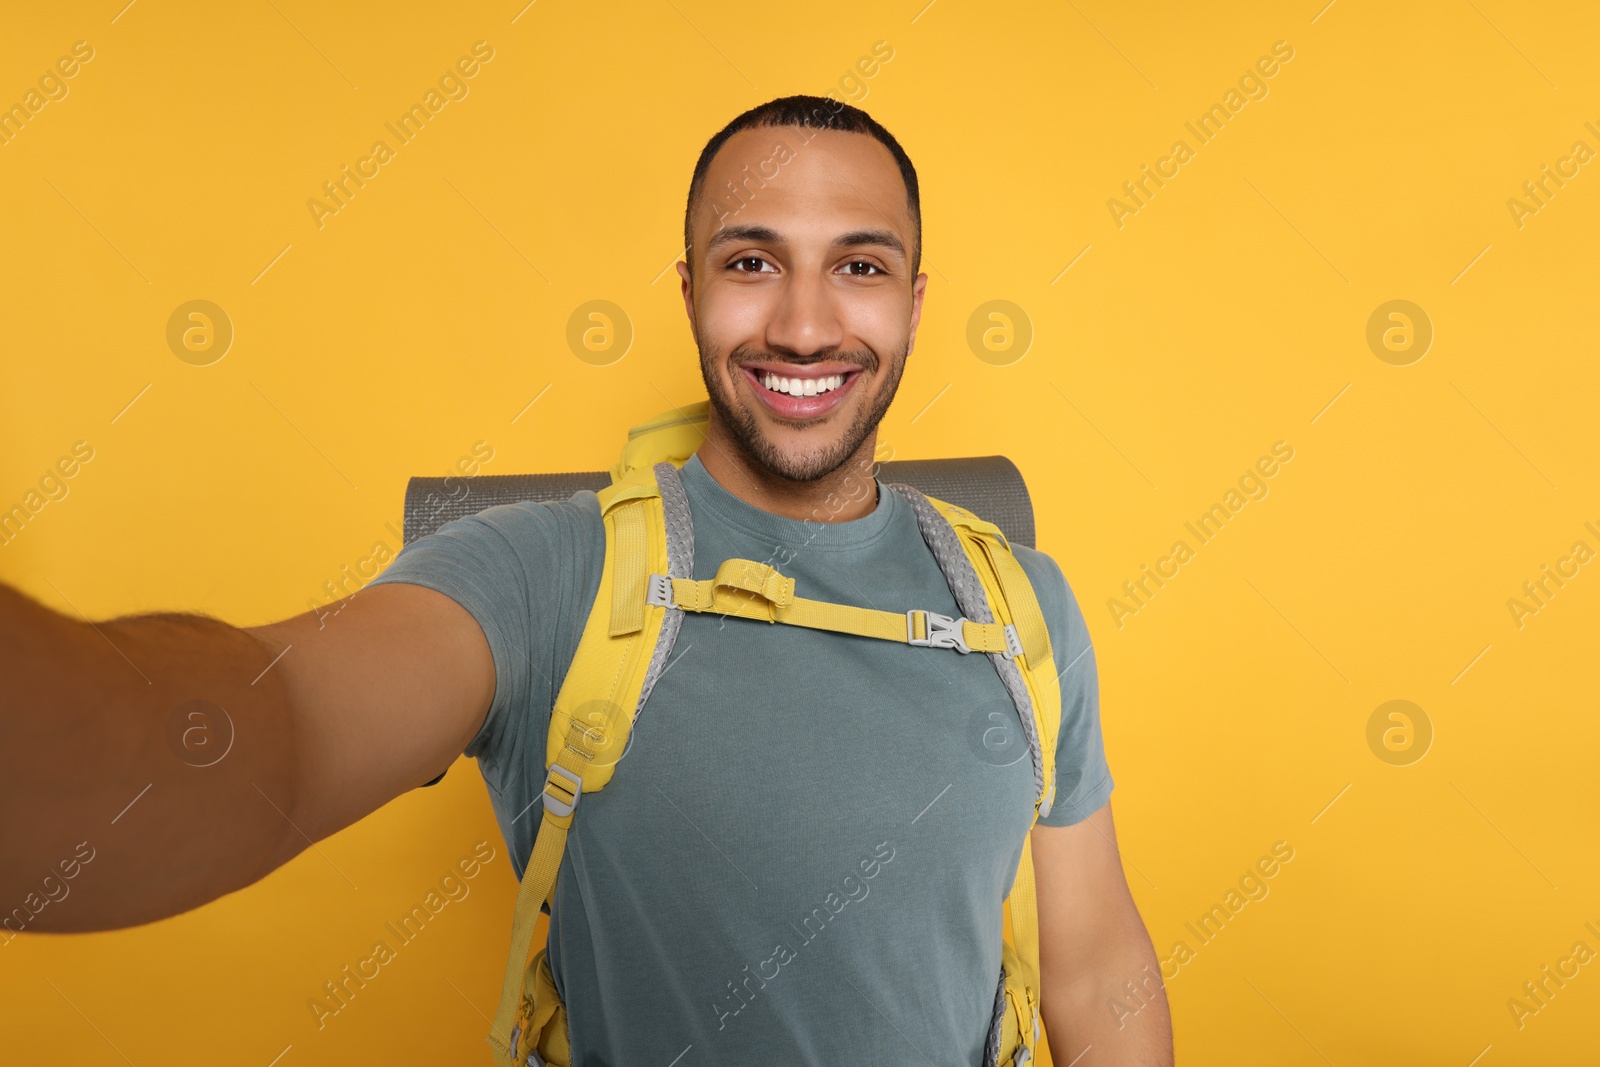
{"x":990,"y":487}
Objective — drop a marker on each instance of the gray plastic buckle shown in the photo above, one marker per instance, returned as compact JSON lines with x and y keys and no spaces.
{"x":1022,"y":1056}
{"x":943,"y":631}
{"x":555,"y":805}
{"x":1013,"y":642}
{"x":659,"y":591}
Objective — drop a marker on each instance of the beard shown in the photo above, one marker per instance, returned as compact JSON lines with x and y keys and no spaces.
{"x":829,"y":453}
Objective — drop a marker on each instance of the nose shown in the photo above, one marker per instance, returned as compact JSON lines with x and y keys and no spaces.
{"x":806,"y":320}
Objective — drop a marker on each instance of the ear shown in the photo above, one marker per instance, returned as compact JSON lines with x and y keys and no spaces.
{"x":687,"y":286}
{"x":918,"y":288}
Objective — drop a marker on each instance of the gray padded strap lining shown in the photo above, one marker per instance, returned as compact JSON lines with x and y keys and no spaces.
{"x":680,"y":564}
{"x":945,"y":544}
{"x":991,"y":1047}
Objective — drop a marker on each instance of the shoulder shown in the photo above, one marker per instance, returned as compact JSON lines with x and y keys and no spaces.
{"x":577,"y":515}
{"x":532,"y":529}
{"x":528,"y":573}
{"x":506,"y":550}
{"x":1050,"y":585}
{"x":1069,"y":631}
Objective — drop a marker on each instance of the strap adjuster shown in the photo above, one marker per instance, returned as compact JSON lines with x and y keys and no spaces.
{"x":567,"y":791}
{"x":1013,"y":642}
{"x":659,"y":591}
{"x":1024,"y":1055}
{"x":939,"y":631}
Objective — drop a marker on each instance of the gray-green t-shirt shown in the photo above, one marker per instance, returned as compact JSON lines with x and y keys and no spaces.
{"x":802,"y":855}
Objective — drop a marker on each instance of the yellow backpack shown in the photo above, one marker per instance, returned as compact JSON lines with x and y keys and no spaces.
{"x":646,"y":586}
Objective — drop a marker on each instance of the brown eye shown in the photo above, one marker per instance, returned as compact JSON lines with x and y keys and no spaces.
{"x":863,"y":263}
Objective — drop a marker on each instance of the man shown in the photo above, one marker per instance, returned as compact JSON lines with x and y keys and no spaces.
{"x":772,"y":768}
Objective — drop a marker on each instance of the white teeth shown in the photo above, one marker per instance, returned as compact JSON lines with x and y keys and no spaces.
{"x":802,"y":386}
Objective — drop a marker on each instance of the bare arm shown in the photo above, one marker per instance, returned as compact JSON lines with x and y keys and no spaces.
{"x":190,"y":757}
{"x":1102,"y":993}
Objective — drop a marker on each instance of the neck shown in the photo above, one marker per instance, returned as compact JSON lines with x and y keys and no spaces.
{"x":848,"y":493}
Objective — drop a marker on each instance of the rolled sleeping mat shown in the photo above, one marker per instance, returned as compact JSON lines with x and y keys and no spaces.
{"x":990,"y":487}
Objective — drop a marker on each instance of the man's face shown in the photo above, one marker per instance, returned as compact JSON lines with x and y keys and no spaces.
{"x":802,"y":300}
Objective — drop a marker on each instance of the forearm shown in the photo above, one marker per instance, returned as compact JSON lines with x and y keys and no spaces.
{"x":140,"y":762}
{"x":1111,"y":1008}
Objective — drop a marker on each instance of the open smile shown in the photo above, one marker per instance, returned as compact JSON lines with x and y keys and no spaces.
{"x":801,"y":392}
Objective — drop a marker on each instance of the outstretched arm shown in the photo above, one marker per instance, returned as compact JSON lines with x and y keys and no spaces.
{"x":165,"y":760}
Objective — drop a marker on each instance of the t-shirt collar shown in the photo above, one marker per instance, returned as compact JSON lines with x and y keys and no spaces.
{"x":704,"y":491}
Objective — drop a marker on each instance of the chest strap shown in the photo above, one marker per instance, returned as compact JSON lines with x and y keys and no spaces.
{"x":750,"y":590}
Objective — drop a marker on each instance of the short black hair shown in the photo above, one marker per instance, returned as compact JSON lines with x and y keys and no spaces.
{"x":811,"y":112}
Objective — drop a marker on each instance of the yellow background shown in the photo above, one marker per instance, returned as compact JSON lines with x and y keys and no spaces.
{"x":1224,"y":316}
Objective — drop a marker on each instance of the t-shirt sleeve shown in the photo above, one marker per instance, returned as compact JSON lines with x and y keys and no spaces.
{"x":527,"y":572}
{"x":1083,"y":779}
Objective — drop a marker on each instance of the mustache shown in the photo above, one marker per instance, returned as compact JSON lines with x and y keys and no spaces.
{"x":864,"y":358}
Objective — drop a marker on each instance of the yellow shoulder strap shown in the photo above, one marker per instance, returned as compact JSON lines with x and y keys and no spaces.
{"x":1012,"y":600}
{"x":589,"y":728}
{"x":672,"y":436}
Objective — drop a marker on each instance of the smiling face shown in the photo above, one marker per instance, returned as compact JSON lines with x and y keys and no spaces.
{"x":802,"y":298}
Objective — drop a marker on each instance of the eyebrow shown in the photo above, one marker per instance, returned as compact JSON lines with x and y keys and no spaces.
{"x":767,"y":235}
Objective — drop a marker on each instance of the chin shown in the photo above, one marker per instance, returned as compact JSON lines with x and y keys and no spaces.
{"x":799,"y":447}
{"x":797,"y":464}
